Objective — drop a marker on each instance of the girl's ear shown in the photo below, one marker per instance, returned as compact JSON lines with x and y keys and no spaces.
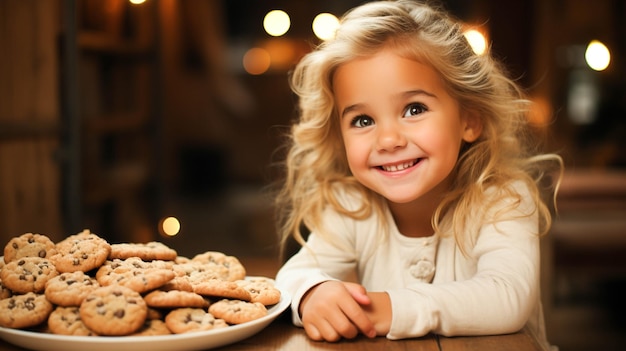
{"x":473,"y":127}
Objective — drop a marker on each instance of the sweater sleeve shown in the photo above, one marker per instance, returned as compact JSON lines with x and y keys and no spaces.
{"x":318,"y":261}
{"x":492,"y":290}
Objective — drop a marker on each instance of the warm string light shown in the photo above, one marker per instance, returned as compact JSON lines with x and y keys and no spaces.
{"x":256,"y":61}
{"x":325,"y":25}
{"x":477,"y":40}
{"x":597,"y":55}
{"x":276,"y":23}
{"x":169,"y":226}
{"x":277,"y":53}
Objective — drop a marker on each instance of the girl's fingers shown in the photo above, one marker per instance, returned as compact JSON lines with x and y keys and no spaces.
{"x":312,"y":332}
{"x":331,"y":324}
{"x":359,"y":320}
{"x":358,"y":293}
{"x":345,"y":328}
{"x":322,"y":330}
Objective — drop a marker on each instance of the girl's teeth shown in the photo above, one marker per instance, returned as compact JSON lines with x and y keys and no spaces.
{"x":399,"y":167}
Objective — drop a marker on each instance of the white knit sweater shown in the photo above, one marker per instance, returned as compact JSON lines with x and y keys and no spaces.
{"x":433,"y":287}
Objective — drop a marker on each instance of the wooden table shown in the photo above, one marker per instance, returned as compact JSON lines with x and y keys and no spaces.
{"x":281,"y":335}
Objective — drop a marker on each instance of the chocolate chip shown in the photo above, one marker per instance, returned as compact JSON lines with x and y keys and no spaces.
{"x":29,"y":305}
{"x":119,"y":313}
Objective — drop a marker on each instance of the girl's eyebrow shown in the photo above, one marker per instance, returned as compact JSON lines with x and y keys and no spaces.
{"x":418,"y":92}
{"x":405,"y":94}
{"x":350,"y":108}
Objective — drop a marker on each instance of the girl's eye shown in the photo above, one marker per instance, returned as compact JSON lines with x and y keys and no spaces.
{"x":414,"y":109}
{"x":362,"y":121}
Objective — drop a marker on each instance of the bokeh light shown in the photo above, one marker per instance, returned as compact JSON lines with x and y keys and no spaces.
{"x":325,"y":25}
{"x":256,"y":61}
{"x":276,"y":23}
{"x":170,"y":226}
{"x":597,"y":56}
{"x":282,"y":53}
{"x":476,"y":40}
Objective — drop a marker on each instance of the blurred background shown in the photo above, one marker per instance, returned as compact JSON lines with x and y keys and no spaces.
{"x":163,"y":120}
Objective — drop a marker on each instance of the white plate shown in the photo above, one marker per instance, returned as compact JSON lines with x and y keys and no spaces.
{"x":181,"y":342}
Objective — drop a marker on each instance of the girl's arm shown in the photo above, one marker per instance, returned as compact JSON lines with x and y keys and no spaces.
{"x":493,"y":290}
{"x":318,"y":262}
{"x":378,"y":311}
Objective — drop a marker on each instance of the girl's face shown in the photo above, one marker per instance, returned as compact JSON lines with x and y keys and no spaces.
{"x":401,"y":130}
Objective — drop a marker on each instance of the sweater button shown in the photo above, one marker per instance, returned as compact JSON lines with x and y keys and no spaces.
{"x":423,"y":270}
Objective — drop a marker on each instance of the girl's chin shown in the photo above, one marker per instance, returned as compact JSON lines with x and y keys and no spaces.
{"x":400,"y":201}
{"x":403,"y":198}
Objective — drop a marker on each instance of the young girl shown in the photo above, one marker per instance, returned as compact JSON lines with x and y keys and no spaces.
{"x":412,"y":169}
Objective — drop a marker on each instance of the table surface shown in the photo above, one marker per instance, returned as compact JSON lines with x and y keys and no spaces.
{"x":281,"y":335}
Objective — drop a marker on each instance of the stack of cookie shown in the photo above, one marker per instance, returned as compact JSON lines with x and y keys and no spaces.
{"x":84,"y":285}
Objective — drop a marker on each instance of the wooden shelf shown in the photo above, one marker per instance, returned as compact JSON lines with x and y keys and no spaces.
{"x":28,"y":128}
{"x":117,"y":62}
{"x":119,"y":181}
{"x":117,"y":122}
{"x":106,"y":44}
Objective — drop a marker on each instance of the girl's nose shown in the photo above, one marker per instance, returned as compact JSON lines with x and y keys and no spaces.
{"x":390,"y":137}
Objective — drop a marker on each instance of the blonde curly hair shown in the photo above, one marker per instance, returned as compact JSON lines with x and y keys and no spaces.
{"x":316,"y":164}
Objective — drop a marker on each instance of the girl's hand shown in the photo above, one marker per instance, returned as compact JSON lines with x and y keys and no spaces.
{"x":376,"y":306}
{"x":332,"y":310}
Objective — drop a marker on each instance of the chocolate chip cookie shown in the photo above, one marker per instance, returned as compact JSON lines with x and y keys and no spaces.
{"x":23,"y":311}
{"x":28,"y":274}
{"x":113,"y":310}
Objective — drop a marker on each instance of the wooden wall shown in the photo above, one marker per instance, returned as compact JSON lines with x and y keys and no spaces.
{"x":30,"y":192}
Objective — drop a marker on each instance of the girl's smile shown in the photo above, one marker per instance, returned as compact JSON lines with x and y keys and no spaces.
{"x":397,"y":167}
